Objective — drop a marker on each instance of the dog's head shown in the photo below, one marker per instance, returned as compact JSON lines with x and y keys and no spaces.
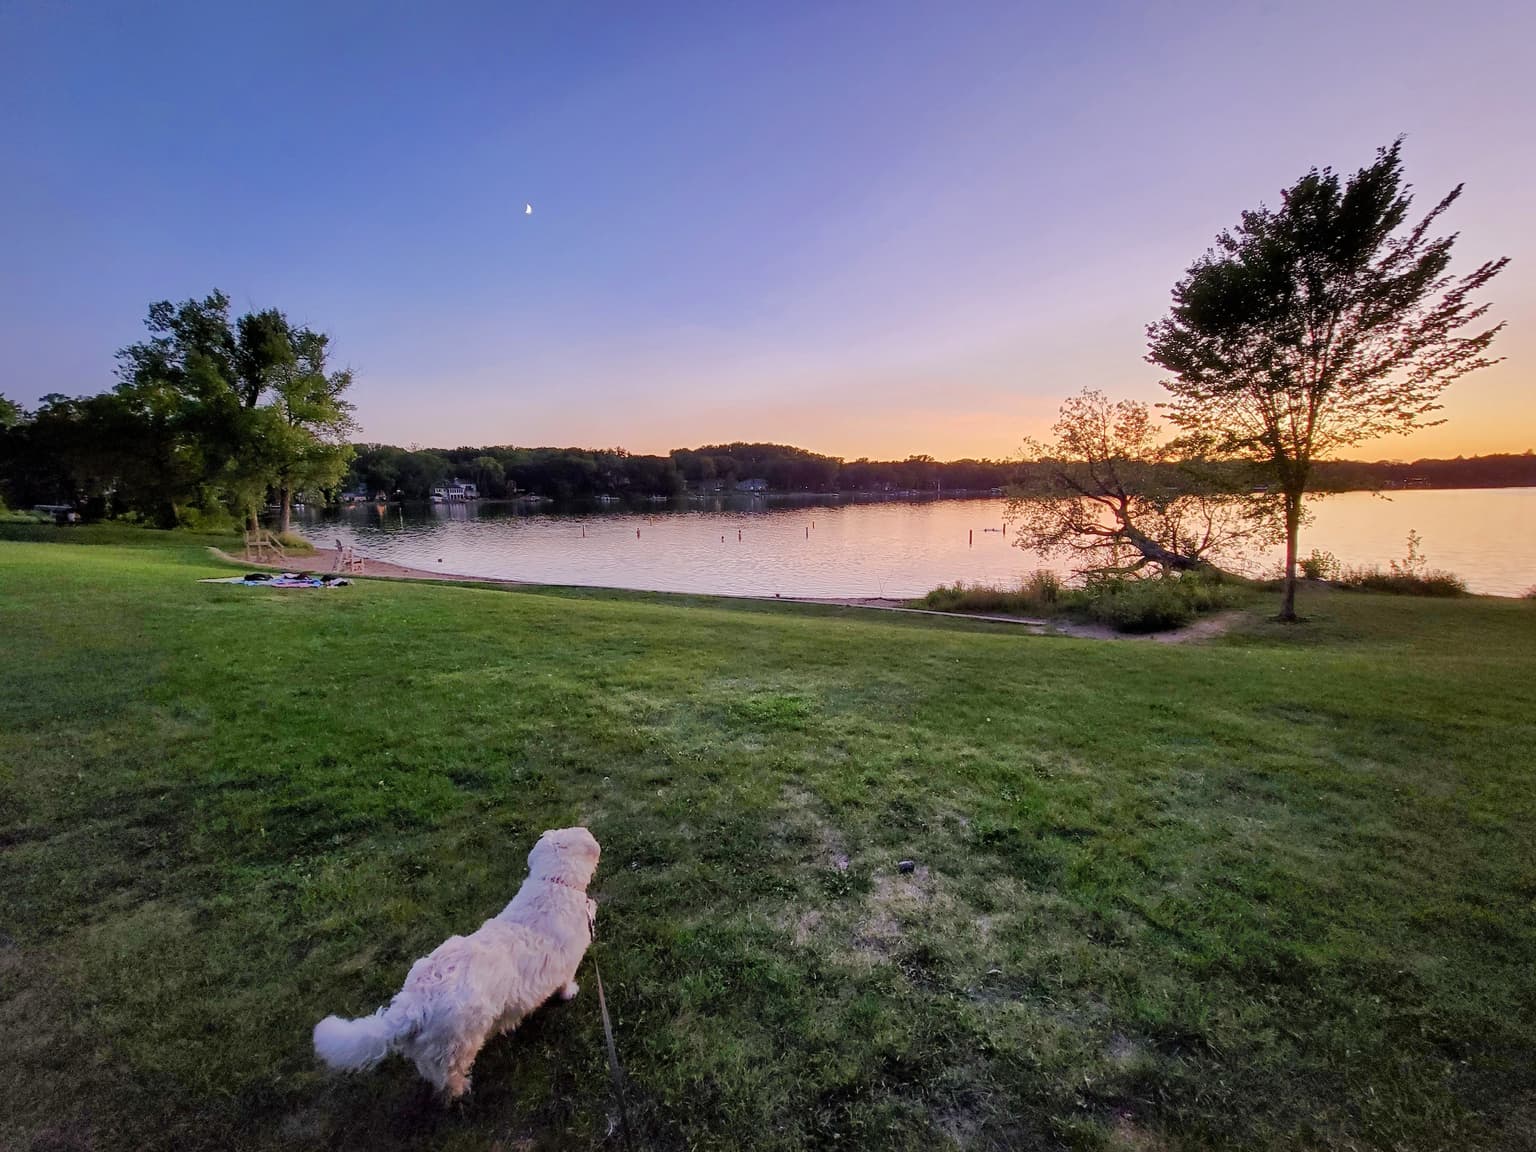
{"x":567,"y":854}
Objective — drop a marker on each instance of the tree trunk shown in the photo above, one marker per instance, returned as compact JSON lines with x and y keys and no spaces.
{"x":285,"y":510}
{"x":1166,"y":557}
{"x":1292,"y":530}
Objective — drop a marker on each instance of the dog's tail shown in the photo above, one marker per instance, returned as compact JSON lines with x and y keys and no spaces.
{"x":350,"y":1045}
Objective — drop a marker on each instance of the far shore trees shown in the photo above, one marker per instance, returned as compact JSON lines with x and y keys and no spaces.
{"x":1109,"y":495}
{"x":1320,"y":324}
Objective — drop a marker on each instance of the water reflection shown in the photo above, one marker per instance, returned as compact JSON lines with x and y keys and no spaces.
{"x":821,"y":546}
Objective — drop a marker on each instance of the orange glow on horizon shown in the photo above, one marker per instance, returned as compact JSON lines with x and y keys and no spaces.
{"x":896,"y":432}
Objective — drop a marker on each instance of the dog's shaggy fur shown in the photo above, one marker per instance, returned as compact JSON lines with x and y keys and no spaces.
{"x":474,"y":987}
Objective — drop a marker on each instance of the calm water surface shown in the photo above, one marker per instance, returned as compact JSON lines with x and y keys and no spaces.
{"x":763,"y":548}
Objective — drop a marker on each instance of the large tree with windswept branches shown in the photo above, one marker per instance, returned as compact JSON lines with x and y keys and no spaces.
{"x":1110,"y":495}
{"x":1322,"y":323}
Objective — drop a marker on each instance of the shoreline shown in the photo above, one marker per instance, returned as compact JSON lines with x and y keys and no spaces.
{"x":324,"y":560}
{"x":327,"y":560}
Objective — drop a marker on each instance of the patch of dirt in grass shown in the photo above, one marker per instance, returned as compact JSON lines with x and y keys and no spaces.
{"x":900,"y":902}
{"x":892,"y":899}
{"x":829,"y":850}
{"x":1202,"y":629}
{"x":805,"y":926}
{"x":1125,"y":1135}
{"x":960,"y":1127}
{"x":871,"y":919}
{"x":904,"y":892}
{"x":1123,"y":1052}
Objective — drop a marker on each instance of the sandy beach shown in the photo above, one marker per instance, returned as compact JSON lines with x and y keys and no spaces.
{"x":329,"y":560}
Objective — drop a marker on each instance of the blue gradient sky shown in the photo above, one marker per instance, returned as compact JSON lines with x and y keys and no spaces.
{"x":874,"y":229}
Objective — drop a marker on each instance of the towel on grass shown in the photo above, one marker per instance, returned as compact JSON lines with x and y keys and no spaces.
{"x":280,"y":580}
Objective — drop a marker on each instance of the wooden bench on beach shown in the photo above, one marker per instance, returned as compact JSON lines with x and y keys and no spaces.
{"x":262,"y":545}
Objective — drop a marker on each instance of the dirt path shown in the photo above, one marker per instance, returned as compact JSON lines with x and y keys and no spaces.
{"x":327,"y":559}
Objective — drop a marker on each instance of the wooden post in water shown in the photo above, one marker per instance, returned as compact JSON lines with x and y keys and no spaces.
{"x":971,"y":539}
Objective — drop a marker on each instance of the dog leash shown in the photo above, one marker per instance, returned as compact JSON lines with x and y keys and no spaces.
{"x":614,"y":1071}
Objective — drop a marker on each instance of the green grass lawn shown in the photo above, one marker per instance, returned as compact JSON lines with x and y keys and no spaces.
{"x":1275,"y":890}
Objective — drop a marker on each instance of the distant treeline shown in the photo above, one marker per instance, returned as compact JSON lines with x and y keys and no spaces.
{"x":572,"y":473}
{"x":64,"y":455}
{"x":567,"y":473}
{"x":1502,"y":470}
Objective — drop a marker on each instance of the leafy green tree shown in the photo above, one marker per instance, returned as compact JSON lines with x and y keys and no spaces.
{"x":180,"y":388}
{"x":1111,"y":496}
{"x":490,"y":476}
{"x":1319,"y":324}
{"x":315,"y":420}
{"x":418,"y":472}
{"x":11,"y":416}
{"x":230,"y":409}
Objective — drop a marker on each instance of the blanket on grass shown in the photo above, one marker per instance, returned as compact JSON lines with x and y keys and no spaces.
{"x":281,"y":580}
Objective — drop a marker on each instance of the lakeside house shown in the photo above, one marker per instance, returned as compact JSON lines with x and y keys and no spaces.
{"x":456,"y":492}
{"x":753,"y":485}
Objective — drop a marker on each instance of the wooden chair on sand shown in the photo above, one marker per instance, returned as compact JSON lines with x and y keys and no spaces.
{"x":346,"y":559}
{"x":262,"y":545}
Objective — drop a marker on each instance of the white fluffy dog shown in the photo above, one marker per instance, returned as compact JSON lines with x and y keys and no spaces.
{"x":474,"y":987}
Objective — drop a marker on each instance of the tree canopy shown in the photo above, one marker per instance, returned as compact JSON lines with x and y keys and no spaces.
{"x":1322,"y":323}
{"x":208,"y":415}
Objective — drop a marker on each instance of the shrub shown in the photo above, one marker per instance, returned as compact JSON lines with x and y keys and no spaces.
{"x":1149,"y":605}
{"x":293,"y":542}
{"x":1429,"y":583}
{"x":1044,"y":587}
{"x":1320,"y":565}
{"x":1124,"y":603}
{"x":979,"y":598}
{"x":1410,"y":576}
{"x":24,"y":517}
{"x":210,"y":519}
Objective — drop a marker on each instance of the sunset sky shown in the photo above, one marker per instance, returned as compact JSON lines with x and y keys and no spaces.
{"x":866,"y":229}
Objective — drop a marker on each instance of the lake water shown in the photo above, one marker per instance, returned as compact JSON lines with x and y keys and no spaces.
{"x":763,"y":547}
